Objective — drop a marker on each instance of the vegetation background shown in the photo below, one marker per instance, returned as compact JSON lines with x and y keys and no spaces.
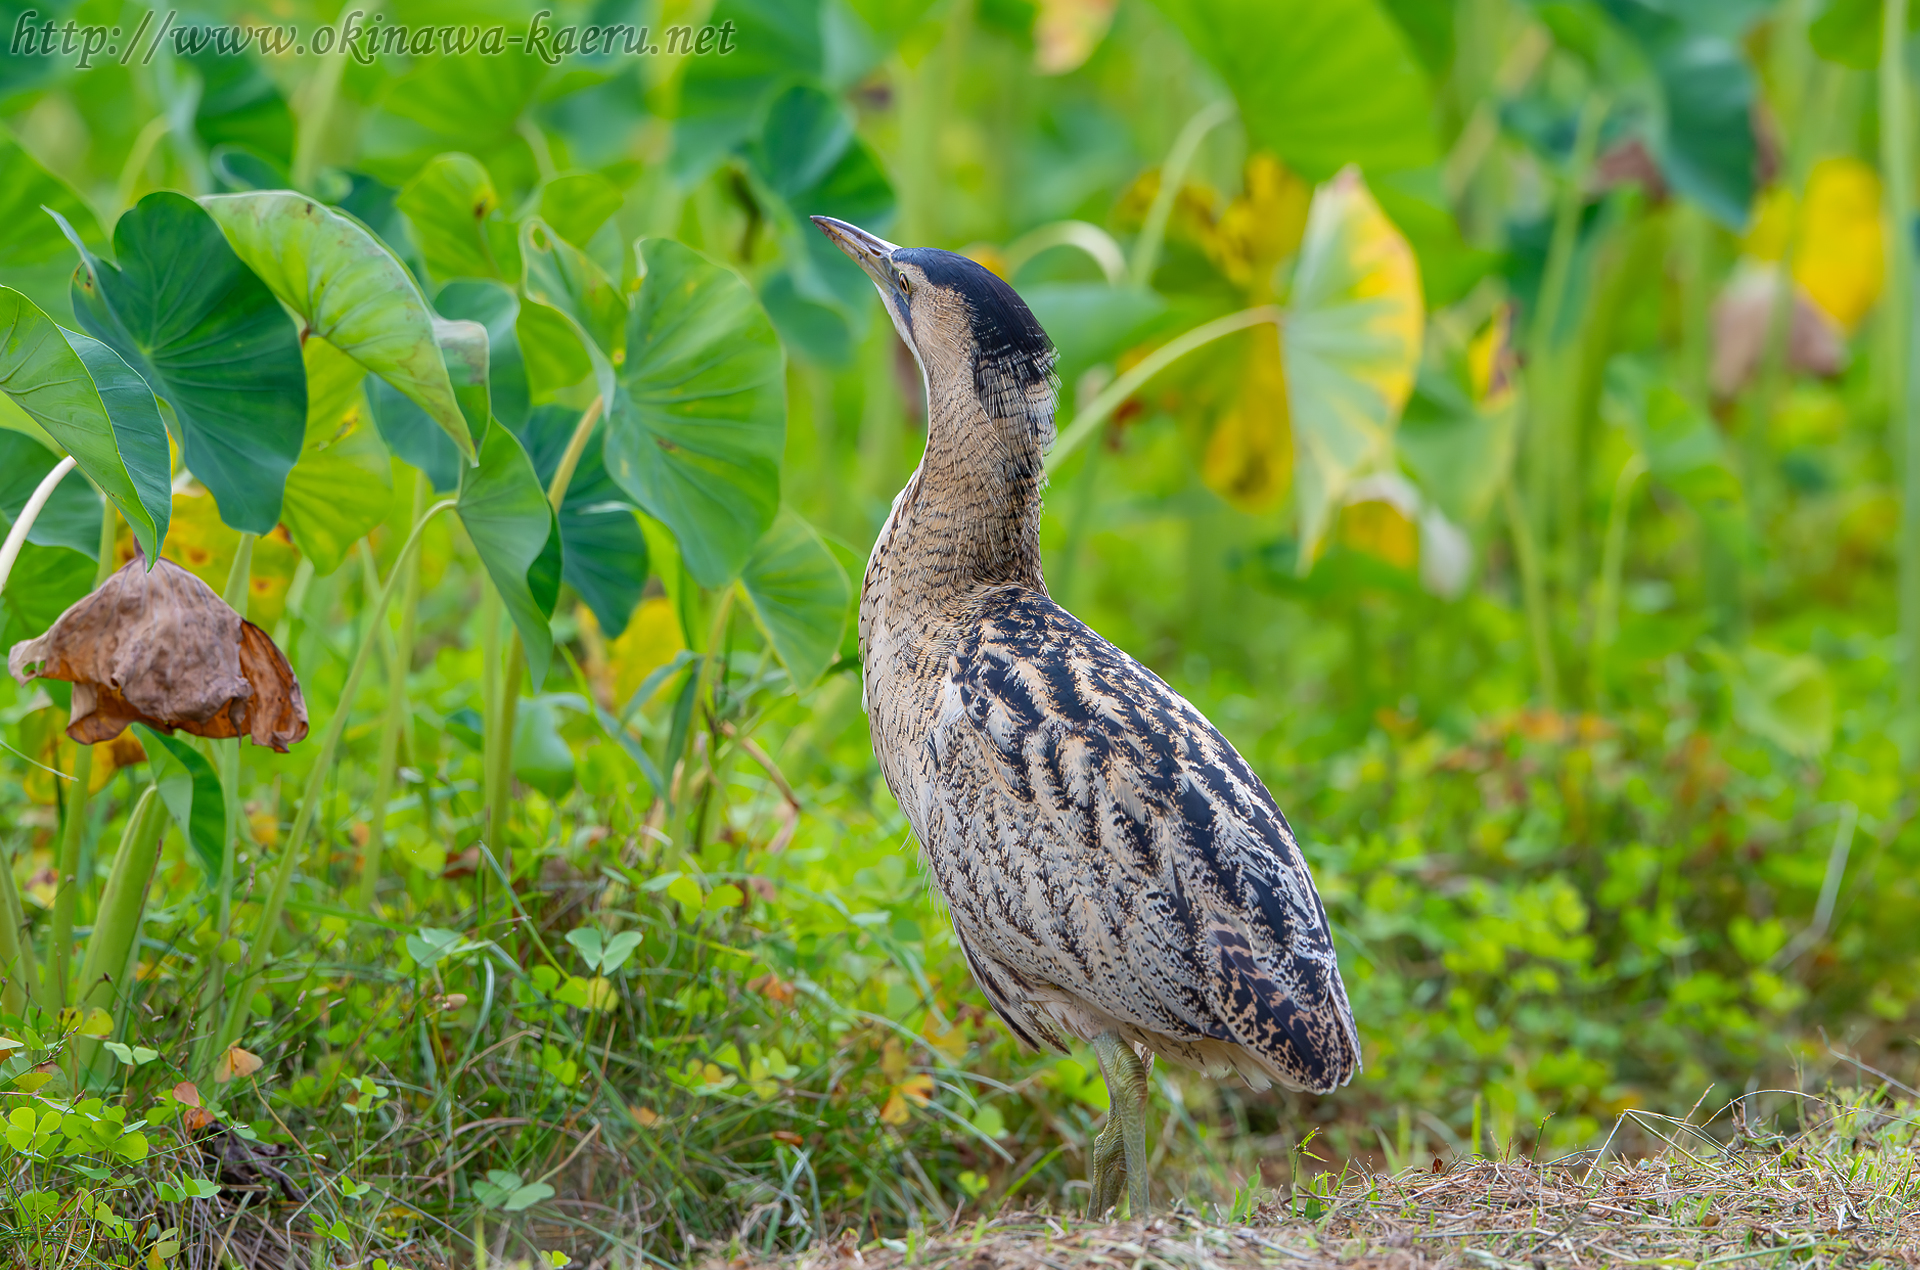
{"x":1548,"y":566}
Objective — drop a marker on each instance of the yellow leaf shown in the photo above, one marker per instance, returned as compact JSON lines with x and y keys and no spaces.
{"x":1839,"y":253}
{"x":621,"y":665}
{"x":895,"y":1109}
{"x":1351,"y":345}
{"x":1066,"y":32}
{"x":236,"y":1062}
{"x":917,"y":1089}
{"x":1381,"y":530}
{"x":1249,"y":458}
{"x":1490,"y":360}
{"x":200,"y":542}
{"x":1261,"y":227}
{"x":97,"y":1023}
{"x":893,"y":1060}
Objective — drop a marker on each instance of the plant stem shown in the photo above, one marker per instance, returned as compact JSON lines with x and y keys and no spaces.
{"x":687,"y":808}
{"x":1606,"y":607}
{"x":506,"y":705}
{"x":1534,"y":593}
{"x":241,"y":1004}
{"x":17,"y":536}
{"x":73,"y":826}
{"x":1896,"y":164}
{"x":1173,"y":175}
{"x":1126,"y":385}
{"x":398,"y":666}
{"x":239,"y":578}
{"x":316,"y":112}
{"x":1549,"y":380}
{"x":117,"y":926}
{"x":570,"y":457}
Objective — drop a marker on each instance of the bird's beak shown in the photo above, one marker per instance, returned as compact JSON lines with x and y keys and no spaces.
{"x":868,"y":251}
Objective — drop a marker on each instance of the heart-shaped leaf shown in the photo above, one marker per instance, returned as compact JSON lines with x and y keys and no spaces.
{"x":1321,"y":83}
{"x":541,"y":758}
{"x":603,"y":550}
{"x":95,"y":406}
{"x":458,"y":221}
{"x":496,"y":308}
{"x":576,"y":204}
{"x":349,"y":290}
{"x":800,"y":595}
{"x":191,"y":791}
{"x":430,"y":944}
{"x":565,"y":280}
{"x":1351,"y":344}
{"x":697,"y":427}
{"x":507,"y":516}
{"x":723,"y":99}
{"x":212,"y":342}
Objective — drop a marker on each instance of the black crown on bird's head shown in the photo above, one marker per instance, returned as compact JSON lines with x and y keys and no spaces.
{"x":1013,"y":360}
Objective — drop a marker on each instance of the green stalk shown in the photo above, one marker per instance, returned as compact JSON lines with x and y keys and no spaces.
{"x":1173,"y":175}
{"x":499,"y":757}
{"x":1606,"y":608}
{"x":73,"y":828}
{"x":316,"y":112}
{"x":227,"y":755}
{"x":686,"y":810}
{"x":122,"y":904}
{"x":1896,"y":163}
{"x":17,"y":963}
{"x":1534,"y":592}
{"x":400,"y":662}
{"x":1547,"y":412}
{"x":241,"y":1005}
{"x":492,"y":616}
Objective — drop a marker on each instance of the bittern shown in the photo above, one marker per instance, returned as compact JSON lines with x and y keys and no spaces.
{"x":1115,"y":870}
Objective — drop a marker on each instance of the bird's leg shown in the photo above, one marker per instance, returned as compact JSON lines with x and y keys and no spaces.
{"x":1109,"y":1170}
{"x":1126,"y":1078}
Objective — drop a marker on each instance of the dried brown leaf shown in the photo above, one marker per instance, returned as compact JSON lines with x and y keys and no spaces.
{"x":160,"y":648}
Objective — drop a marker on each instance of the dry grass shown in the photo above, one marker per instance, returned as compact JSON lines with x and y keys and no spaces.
{"x":1839,"y":1192}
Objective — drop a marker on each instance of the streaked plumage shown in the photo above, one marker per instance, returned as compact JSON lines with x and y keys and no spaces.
{"x":1113,"y":866}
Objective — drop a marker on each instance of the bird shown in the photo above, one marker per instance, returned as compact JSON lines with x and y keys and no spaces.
{"x":1115,"y":871}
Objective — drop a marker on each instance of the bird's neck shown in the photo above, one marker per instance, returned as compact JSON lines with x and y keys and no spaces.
{"x":976,"y":498}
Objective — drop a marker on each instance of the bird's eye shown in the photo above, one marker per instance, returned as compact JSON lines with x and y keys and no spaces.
{"x":900,"y":280}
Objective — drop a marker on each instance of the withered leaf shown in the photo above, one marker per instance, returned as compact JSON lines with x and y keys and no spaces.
{"x":160,"y":648}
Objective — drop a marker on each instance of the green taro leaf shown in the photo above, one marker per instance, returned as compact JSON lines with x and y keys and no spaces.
{"x":239,"y":104}
{"x":342,"y":487}
{"x":458,"y":221}
{"x":603,"y":549}
{"x":412,"y":436}
{"x":800,"y":595}
{"x":565,"y":280}
{"x":697,"y":427}
{"x":349,"y":290}
{"x":209,"y":337}
{"x":541,"y":758}
{"x":722,"y":99}
{"x":90,"y":401}
{"x":576,"y":204}
{"x":191,"y":791}
{"x":1848,"y":31}
{"x":507,"y":516}
{"x":496,"y":308}
{"x":45,"y":582}
{"x":1706,"y":145}
{"x":1321,"y":83}
{"x":71,"y":517}
{"x":26,"y":187}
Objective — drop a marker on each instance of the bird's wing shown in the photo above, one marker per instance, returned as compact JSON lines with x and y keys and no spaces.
{"x":1095,"y":835}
